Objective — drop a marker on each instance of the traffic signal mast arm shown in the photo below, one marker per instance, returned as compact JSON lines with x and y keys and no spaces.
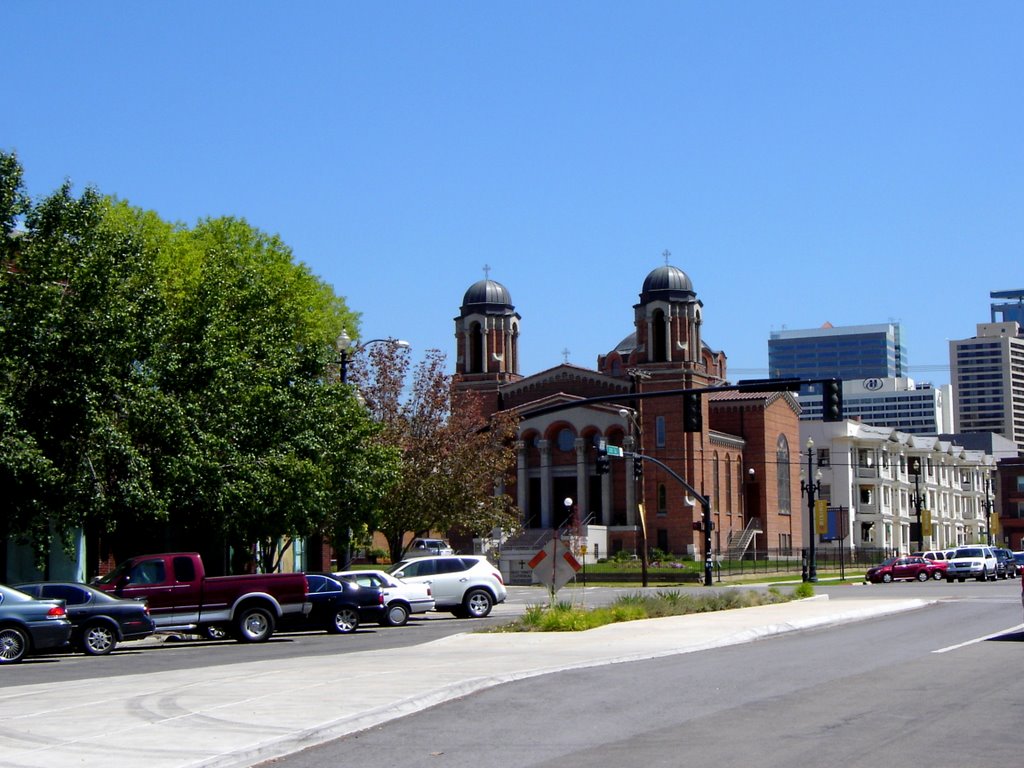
{"x":705,"y":508}
{"x":744,"y":385}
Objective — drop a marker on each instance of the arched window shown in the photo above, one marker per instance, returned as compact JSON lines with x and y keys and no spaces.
{"x":476,"y":349}
{"x":782,"y":467}
{"x":714,"y":483}
{"x":657,"y":352}
{"x":728,"y":484}
{"x":566,"y":440}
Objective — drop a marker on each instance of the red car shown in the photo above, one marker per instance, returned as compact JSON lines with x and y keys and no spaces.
{"x":909,"y":567}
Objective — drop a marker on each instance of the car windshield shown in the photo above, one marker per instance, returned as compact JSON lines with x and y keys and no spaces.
{"x":969,"y":553}
{"x":887,"y":561}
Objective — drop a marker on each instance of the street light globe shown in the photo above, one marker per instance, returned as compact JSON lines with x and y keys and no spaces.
{"x":567,"y":502}
{"x":343,"y":342}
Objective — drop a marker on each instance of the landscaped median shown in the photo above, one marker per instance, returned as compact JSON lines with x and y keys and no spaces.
{"x":567,"y":617}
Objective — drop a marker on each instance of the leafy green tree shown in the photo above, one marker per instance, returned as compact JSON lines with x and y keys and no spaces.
{"x":79,"y":308}
{"x":164,"y":385}
{"x":452,"y":460}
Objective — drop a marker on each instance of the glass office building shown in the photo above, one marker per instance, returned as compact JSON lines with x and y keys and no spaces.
{"x":849,"y":352}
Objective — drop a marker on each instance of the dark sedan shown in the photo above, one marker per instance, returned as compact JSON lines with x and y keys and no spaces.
{"x":100,"y":621}
{"x":28,"y":625}
{"x":338,"y":606}
{"x":895,"y":568}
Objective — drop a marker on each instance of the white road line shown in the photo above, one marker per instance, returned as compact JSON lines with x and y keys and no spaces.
{"x":980,"y":639}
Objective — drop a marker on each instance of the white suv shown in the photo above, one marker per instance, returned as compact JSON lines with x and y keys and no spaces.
{"x":467,"y":585}
{"x":977,"y":562}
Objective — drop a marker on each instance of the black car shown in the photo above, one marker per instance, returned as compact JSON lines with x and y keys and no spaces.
{"x":28,"y":625}
{"x":99,"y":620}
{"x":338,"y":606}
{"x":1006,"y":566}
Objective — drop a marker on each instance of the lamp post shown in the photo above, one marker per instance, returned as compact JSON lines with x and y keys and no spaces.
{"x":634,"y":431}
{"x":344,"y":345}
{"x":809,"y":489}
{"x":988,"y":513}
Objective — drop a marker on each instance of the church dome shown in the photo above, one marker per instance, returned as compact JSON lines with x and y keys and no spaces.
{"x":488,"y":292}
{"x":667,"y":283}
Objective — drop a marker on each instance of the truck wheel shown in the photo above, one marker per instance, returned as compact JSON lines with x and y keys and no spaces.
{"x":13,"y":645}
{"x":98,"y":638}
{"x":397,"y":616}
{"x":254,"y":625}
{"x":984,"y":575}
{"x":477,"y":603}
{"x":345,"y":621}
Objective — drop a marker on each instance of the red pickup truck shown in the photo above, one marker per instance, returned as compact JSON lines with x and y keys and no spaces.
{"x":182,"y":597}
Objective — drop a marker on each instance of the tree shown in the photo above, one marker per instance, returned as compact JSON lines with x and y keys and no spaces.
{"x":79,"y":309}
{"x":453,"y":463}
{"x":171,"y":386}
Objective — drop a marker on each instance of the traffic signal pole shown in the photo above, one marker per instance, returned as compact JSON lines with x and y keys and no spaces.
{"x":705,"y":506}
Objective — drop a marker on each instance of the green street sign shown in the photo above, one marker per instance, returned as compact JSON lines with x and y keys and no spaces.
{"x":614,"y":450}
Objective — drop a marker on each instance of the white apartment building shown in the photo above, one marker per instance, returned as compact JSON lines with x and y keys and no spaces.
{"x":987,"y":373}
{"x":865,"y":473}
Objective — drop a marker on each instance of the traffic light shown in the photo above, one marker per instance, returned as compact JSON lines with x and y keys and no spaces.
{"x":693,"y":419}
{"x":603,"y":465}
{"x":832,"y":400}
{"x":638,"y":468}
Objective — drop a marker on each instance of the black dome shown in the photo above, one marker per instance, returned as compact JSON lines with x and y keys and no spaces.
{"x":667,"y":283}
{"x":487,"y":292}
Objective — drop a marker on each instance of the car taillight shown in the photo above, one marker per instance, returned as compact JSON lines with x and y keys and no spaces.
{"x":380,"y":596}
{"x":498,"y":577}
{"x":57,"y":612}
{"x":431,"y":594}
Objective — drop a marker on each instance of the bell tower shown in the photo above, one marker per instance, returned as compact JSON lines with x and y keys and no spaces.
{"x":487,"y":339}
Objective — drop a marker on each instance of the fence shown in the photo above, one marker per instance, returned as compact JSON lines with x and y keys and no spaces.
{"x":792,"y":561}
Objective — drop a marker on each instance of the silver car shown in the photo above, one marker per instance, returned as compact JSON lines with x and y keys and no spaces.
{"x":402,"y":598}
{"x":466,"y":585}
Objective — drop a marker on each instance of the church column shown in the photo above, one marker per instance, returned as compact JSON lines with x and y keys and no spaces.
{"x":581,"y":479}
{"x":522,"y":480}
{"x":546,"y":519}
{"x":629,"y":444}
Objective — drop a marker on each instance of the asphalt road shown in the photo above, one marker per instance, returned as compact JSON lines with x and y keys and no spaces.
{"x":936,"y":685}
{"x":147,"y":656}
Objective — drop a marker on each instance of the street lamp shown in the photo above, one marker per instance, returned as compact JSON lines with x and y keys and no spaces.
{"x":809,"y":489}
{"x":346,"y":349}
{"x":629,"y":415}
{"x":988,"y":513}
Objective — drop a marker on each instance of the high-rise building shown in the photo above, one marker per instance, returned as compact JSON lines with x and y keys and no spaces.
{"x":1010,"y":310}
{"x":848,"y":352}
{"x":898,"y":403}
{"x":987,"y":373}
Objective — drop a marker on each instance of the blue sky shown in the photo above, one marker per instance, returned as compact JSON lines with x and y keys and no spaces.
{"x":803,"y":162}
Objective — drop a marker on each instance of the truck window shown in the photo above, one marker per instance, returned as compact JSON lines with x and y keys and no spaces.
{"x":148,"y":572}
{"x":184,"y":569}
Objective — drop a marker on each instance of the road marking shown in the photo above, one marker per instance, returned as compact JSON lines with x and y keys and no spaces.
{"x":1006,"y":631}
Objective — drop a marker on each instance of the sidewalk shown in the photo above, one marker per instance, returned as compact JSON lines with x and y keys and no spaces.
{"x":237,"y":715}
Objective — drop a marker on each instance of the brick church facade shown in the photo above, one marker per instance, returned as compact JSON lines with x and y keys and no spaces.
{"x":746,"y":457}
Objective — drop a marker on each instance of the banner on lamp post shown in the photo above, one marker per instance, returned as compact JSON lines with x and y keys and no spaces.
{"x":821,"y":516}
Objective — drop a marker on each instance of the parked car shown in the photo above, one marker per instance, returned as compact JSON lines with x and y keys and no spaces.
{"x":337,"y":606}
{"x":938,"y":558}
{"x":182,"y":597}
{"x":468,"y":586}
{"x":427,"y":547}
{"x":99,"y":621}
{"x":28,"y":625}
{"x":1018,"y":558}
{"x":402,"y":598}
{"x":1005,"y":564}
{"x":977,"y":562}
{"x":897,"y":568}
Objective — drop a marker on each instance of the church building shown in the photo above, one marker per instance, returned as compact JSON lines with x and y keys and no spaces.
{"x":745,"y":454}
